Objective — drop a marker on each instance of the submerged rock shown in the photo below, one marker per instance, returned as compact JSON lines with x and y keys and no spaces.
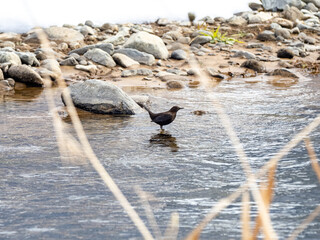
{"x":102,"y":97}
{"x":283,"y":72}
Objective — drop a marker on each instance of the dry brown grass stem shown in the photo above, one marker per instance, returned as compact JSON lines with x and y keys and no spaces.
{"x":305,"y":224}
{"x":85,"y":146}
{"x":144,"y":198}
{"x":173,"y":228}
{"x":225,"y":121}
{"x":313,"y":157}
{"x":245,"y":217}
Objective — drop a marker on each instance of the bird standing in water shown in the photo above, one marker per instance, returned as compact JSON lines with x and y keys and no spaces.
{"x":163,"y":118}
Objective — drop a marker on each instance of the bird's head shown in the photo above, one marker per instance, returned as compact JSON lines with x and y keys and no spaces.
{"x":175,"y":109}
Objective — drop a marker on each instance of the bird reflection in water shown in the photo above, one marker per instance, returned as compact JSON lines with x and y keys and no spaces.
{"x":164,"y":139}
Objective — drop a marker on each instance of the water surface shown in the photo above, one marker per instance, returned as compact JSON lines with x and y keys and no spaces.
{"x":187,"y":170}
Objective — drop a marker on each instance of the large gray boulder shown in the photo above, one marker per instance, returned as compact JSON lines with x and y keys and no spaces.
{"x":107,"y":47}
{"x":25,"y":74}
{"x":102,"y":97}
{"x":101,"y":57}
{"x":275,"y":5}
{"x":140,"y":57}
{"x":148,"y":43}
{"x":9,"y":57}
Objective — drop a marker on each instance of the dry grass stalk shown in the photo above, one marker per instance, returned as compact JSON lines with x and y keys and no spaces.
{"x":85,"y":146}
{"x":266,"y":190}
{"x":245,"y":217}
{"x":173,"y":228}
{"x":305,"y":224}
{"x":313,"y":157}
{"x":225,"y":121}
{"x":144,"y":197}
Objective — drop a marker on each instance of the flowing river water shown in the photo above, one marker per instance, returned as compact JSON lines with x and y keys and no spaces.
{"x":186,"y":170}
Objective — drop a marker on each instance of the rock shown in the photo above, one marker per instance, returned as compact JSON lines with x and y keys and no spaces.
{"x":10,"y":36}
{"x":282,"y":32}
{"x":254,"y":65}
{"x":213,"y":73}
{"x":107,"y":47}
{"x":292,"y":13}
{"x":179,"y":54}
{"x":255,"y":45}
{"x":1,"y":75}
{"x":282,"y":72}
{"x":162,"y":22}
{"x":9,"y":57}
{"x":254,"y":19}
{"x":141,"y":99}
{"x":274,"y":5}
{"x":136,"y":72}
{"x":89,"y":68}
{"x":201,"y":40}
{"x":7,"y":44}
{"x":115,"y":40}
{"x":148,"y":43}
{"x":86,"y":30}
{"x":306,"y":39}
{"x":140,"y":57}
{"x":101,"y":57}
{"x":123,"y":60}
{"x":62,"y":34}
{"x":283,"y":22}
{"x":255,"y":6}
{"x":311,"y":7}
{"x":266,"y":36}
{"x":237,"y":21}
{"x":89,"y":23}
{"x":53,"y":66}
{"x":193,"y":72}
{"x":315,"y":2}
{"x":297,"y":3}
{"x":166,"y":77}
{"x":285,"y":53}
{"x":25,"y":74}
{"x":70,"y":61}
{"x":28,"y":58}
{"x":103,"y":98}
{"x":243,"y":54}
{"x":175,"y":84}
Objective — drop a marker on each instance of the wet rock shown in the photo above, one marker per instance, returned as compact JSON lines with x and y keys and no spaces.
{"x":266,"y":36}
{"x":9,"y":57}
{"x":243,"y":54}
{"x":179,"y":54}
{"x":123,"y":60}
{"x":140,"y":57}
{"x":171,"y":77}
{"x":136,"y":72}
{"x":237,"y":21}
{"x":173,"y":84}
{"x":25,"y":74}
{"x":101,"y":57}
{"x":201,"y":40}
{"x":70,"y":61}
{"x":148,"y":43}
{"x":283,"y":72}
{"x":103,"y":98}
{"x":292,"y":13}
{"x":285,"y":53}
{"x":306,"y":39}
{"x":274,"y":5}
{"x":107,"y":47}
{"x":254,"y":65}
{"x":283,"y":82}
{"x":283,"y":32}
{"x":255,"y":6}
{"x":199,"y":112}
{"x":213,"y":73}
{"x":89,"y":68}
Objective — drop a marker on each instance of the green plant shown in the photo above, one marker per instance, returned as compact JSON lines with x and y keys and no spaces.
{"x":217,"y":36}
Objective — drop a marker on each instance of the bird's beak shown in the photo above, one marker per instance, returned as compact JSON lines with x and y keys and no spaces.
{"x":181,"y":108}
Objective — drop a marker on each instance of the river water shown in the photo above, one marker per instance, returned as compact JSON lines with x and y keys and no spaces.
{"x":187,"y":169}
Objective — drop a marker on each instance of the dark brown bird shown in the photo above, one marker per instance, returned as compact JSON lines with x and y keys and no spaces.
{"x":163,"y":118}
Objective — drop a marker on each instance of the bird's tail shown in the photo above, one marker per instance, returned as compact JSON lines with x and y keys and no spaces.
{"x":148,"y":110}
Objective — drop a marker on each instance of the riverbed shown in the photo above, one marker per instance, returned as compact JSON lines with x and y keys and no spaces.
{"x":186,"y":169}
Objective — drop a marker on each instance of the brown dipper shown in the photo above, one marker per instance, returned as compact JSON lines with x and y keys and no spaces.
{"x":163,"y":118}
